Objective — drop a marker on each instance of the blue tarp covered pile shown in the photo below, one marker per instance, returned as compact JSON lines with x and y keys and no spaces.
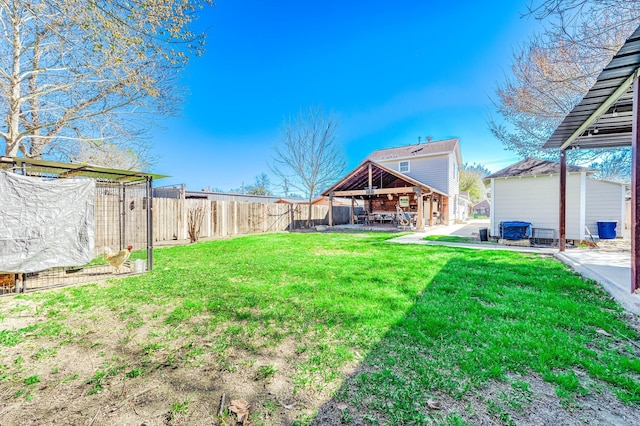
{"x":515,"y":230}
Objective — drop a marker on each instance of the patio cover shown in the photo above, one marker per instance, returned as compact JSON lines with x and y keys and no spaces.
{"x":607,"y":117}
{"x":603,"y":119}
{"x":372,"y":179}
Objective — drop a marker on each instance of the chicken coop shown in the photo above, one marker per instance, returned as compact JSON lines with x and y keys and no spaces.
{"x":63,"y":224}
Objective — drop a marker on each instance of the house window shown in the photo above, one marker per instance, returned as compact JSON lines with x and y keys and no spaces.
{"x":404,"y":167}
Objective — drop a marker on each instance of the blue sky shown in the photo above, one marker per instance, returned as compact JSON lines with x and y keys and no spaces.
{"x":389,"y":71}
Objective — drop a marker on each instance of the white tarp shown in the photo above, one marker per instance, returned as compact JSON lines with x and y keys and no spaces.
{"x":45,"y":223}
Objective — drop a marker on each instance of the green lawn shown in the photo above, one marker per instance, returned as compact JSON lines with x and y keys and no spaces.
{"x":294,"y":321}
{"x":449,"y":239}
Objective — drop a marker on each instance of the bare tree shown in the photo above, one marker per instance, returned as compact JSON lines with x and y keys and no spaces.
{"x":308,"y":158}
{"x":553,"y":70}
{"x":76,"y":72}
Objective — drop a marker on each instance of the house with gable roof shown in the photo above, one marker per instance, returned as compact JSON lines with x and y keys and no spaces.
{"x":421,"y":178}
{"x":435,"y":163}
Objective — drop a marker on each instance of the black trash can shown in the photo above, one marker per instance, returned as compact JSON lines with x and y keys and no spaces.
{"x":484,"y":234}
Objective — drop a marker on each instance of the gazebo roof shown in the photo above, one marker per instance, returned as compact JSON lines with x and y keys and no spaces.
{"x":603,"y":118}
{"x":381,"y":177}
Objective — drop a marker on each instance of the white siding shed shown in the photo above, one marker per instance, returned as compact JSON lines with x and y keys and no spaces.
{"x":529,"y":191}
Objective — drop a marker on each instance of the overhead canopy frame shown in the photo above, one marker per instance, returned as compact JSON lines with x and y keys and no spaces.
{"x":607,"y":117}
{"x":603,"y":119}
{"x":66,"y":170}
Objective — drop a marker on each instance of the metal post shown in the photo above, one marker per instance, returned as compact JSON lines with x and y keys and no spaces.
{"x":122,"y":217}
{"x":563,"y":199}
{"x":149,"y":223}
{"x":635,"y":186}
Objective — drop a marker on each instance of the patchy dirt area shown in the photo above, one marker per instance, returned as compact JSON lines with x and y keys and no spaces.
{"x":100,"y":370}
{"x":525,"y":401}
{"x":105,"y":374}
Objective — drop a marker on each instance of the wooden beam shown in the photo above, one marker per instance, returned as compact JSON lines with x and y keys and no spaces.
{"x":635,"y":190}
{"x":330,"y":211}
{"x":431,"y":210}
{"x":71,"y":173}
{"x":563,"y":199}
{"x":377,"y":191}
{"x":420,"y":222}
{"x":445,"y":210}
{"x":353,"y":209}
{"x":604,"y":106}
{"x":370,"y":176}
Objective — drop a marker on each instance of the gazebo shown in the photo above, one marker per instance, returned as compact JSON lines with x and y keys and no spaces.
{"x":382,"y":189}
{"x":607,"y":117}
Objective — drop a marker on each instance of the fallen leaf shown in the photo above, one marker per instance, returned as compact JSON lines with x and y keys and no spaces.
{"x":433,"y":404}
{"x":604,"y":333}
{"x":241,"y":408}
{"x":341,"y":406}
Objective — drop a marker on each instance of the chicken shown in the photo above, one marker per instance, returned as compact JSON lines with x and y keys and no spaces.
{"x":117,"y":259}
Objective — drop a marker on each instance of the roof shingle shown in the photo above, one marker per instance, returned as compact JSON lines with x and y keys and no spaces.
{"x":426,"y":148}
{"x":535,"y":167}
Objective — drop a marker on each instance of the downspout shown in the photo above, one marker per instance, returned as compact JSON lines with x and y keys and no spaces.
{"x":583,"y":204}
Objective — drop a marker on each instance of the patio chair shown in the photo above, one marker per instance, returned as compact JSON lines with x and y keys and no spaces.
{"x":402,"y":218}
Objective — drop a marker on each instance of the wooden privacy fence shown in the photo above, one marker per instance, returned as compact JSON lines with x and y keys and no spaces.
{"x":224,"y":218}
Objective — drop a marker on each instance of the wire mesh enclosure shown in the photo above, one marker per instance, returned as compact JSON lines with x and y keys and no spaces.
{"x":545,"y":237}
{"x":114,"y":238}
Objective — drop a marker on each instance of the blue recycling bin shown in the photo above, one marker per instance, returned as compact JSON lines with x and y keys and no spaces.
{"x":607,"y":230}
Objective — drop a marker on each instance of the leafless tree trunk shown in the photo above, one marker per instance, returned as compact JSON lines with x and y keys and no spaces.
{"x":308,"y":158}
{"x":195,"y":217}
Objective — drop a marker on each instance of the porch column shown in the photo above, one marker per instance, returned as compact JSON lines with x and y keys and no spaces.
{"x":635,"y":186}
{"x":445,"y":210}
{"x":353,"y":209}
{"x":419,"y":223}
{"x":563,"y":198}
{"x":431,"y":210}
{"x":330,"y":210}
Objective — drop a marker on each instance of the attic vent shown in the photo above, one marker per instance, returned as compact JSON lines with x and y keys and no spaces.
{"x":417,"y":150}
